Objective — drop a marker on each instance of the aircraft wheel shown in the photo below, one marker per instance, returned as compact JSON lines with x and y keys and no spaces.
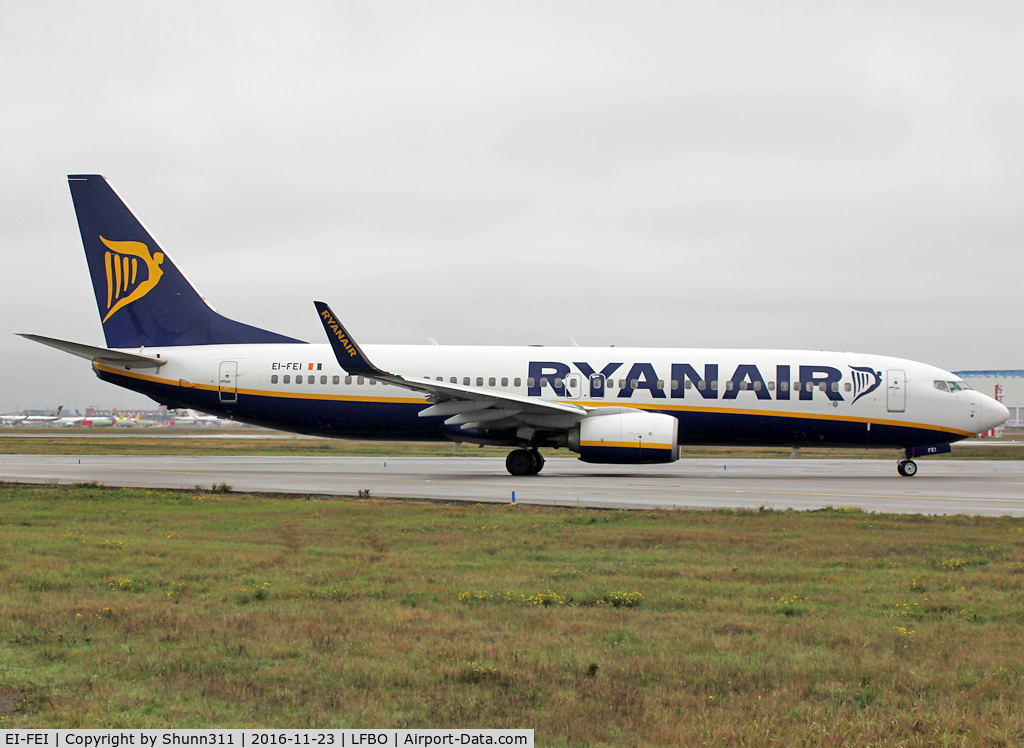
{"x":519,"y":462}
{"x":537,"y":460}
{"x":906,"y":468}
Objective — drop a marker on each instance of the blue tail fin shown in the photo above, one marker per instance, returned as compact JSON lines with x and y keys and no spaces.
{"x":143,"y":299}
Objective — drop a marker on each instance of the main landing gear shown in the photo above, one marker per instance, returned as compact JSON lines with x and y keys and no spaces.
{"x":906,"y":468}
{"x":524,"y":462}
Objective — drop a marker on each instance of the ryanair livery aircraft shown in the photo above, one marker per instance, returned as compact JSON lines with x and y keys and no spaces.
{"x":611,"y":405}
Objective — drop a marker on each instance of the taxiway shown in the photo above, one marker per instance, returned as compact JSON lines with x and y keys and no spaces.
{"x":942,"y":487}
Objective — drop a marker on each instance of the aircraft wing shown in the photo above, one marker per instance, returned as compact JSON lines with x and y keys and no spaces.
{"x":468,"y":407}
{"x":93,"y":353}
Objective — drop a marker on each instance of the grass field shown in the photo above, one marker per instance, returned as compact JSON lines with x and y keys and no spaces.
{"x":833,"y":628}
{"x":15,"y":441}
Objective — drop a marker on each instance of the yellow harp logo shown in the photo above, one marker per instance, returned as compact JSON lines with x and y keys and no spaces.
{"x":123,"y":282}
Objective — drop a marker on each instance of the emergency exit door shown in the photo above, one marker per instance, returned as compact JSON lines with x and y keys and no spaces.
{"x":227,"y":384}
{"x":896,"y":390}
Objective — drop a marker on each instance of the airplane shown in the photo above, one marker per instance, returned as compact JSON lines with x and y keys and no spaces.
{"x":18,"y":419}
{"x":191,"y":418}
{"x":609,"y":405}
{"x":79,"y":420}
{"x":127,"y":422}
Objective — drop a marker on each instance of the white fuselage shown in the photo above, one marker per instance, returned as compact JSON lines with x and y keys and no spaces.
{"x":719,"y":396}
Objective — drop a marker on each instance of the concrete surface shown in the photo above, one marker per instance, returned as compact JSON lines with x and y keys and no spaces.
{"x":941,"y":487}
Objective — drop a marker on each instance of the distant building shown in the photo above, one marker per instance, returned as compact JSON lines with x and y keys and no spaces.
{"x":1006,"y":385}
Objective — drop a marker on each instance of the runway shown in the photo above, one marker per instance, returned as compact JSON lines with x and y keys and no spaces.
{"x":941,"y":487}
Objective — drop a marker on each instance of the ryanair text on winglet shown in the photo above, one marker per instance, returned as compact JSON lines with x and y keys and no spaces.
{"x":338,"y":331}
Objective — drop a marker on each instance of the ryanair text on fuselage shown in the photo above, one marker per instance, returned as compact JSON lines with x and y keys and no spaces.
{"x":706,"y":383}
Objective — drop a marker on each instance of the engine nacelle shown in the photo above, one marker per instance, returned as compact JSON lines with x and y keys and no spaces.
{"x":632,"y":438}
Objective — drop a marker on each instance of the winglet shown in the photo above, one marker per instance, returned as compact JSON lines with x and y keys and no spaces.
{"x":346,"y":350}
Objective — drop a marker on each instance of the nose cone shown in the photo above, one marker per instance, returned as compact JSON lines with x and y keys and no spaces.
{"x":991,"y":413}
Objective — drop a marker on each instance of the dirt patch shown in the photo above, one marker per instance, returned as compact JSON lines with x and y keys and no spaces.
{"x":10,"y":700}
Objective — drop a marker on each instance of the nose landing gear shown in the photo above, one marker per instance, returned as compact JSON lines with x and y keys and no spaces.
{"x":906,"y":468}
{"x":524,"y":462}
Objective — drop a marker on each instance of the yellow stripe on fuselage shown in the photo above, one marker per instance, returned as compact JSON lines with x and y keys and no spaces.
{"x":664,"y":407}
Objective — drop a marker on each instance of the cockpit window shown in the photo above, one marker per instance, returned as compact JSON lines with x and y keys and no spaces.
{"x":957,"y":386}
{"x":940,"y":385}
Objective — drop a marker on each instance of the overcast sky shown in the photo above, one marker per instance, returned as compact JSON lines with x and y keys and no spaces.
{"x":845,"y":176}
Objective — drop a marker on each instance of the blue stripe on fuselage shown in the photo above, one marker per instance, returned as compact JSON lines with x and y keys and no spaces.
{"x":362,"y":419}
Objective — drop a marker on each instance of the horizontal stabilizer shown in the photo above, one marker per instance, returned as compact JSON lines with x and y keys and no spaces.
{"x":94,"y":353}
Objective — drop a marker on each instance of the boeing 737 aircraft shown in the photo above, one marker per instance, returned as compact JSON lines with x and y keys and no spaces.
{"x":17,"y":419}
{"x":610,"y":405}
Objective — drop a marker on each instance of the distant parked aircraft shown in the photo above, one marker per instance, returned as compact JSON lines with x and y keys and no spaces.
{"x":79,"y":420}
{"x":192,"y":418}
{"x":18,"y":419}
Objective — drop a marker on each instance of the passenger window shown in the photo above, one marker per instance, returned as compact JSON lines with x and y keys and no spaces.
{"x":504,"y":381}
{"x":336,"y":379}
{"x":702,"y":385}
{"x":479,"y":381}
{"x":634,"y":384}
{"x":771,"y":386}
{"x":822,"y":387}
{"x":348,"y":380}
{"x":835,"y":387}
{"x":757,"y":386}
{"x":490,"y":382}
{"x":323,"y":379}
{"x":622,"y":384}
{"x":373,"y":382}
{"x":439,"y":379}
{"x":810,"y":387}
{"x":454,"y":380}
{"x":529,"y":382}
{"x":940,"y":385}
{"x":273,"y":379}
{"x":675,"y":384}
{"x":287,"y":378}
{"x":572,"y":382}
{"x":661,"y":384}
{"x":558,"y":381}
{"x":729,"y":385}
{"x":312,"y":378}
{"x":465,"y":381}
{"x":359,"y":380}
{"x":784,"y":386}
{"x":796,"y":386}
{"x":543,"y":382}
{"x":298,"y":379}
{"x":519,"y":382}
{"x":687,"y":384}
